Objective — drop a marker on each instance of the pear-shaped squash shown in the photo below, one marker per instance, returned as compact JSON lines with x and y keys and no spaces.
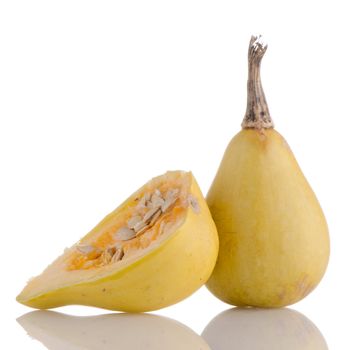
{"x":154,"y":250}
{"x":274,"y":243}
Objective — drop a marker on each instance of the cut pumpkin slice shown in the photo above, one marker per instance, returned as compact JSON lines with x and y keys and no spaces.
{"x":154,"y":250}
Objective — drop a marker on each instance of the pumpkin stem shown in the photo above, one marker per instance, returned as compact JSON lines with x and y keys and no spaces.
{"x":257,"y":114}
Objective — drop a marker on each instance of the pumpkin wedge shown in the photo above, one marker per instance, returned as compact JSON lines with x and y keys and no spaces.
{"x":154,"y":250}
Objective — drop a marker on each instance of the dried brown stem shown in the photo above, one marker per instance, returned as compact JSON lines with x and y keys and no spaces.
{"x":257,"y":115}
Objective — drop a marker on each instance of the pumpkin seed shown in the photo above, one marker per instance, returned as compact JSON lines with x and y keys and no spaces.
{"x":124,"y":234}
{"x":141,"y":203}
{"x":85,"y":248}
{"x":106,"y":256}
{"x":155,"y":216}
{"x":142,"y":230}
{"x":149,"y":205}
{"x":118,"y":255}
{"x":157,"y":201}
{"x":139,"y":226}
{"x":148,"y":216}
{"x":133,"y":221}
{"x":168,"y":203}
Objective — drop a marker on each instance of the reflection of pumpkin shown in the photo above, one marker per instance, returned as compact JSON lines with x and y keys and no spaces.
{"x":263,"y":329}
{"x":114,"y":331}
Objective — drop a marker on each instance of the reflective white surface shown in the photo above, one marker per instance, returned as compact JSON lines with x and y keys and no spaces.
{"x":201,"y":321}
{"x":236,"y":328}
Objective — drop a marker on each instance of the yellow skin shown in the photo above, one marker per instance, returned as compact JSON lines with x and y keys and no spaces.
{"x":274,"y":243}
{"x":165,"y":275}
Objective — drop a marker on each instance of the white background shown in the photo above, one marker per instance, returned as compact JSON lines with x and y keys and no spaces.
{"x":97,"y":97}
